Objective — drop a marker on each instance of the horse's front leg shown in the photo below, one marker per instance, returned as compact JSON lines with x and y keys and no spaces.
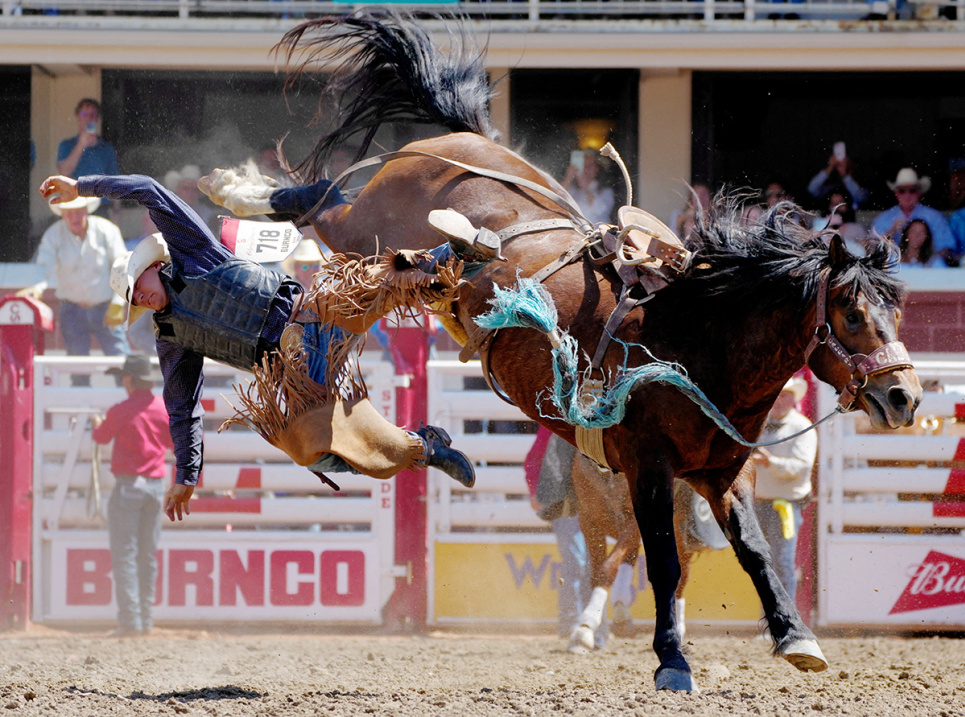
{"x":652,"y":494}
{"x":735,"y":512}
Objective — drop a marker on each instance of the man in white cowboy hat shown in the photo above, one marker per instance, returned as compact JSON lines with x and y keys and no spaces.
{"x":303,"y":263}
{"x":308,"y":398}
{"x":909,"y":189}
{"x":184,"y":183}
{"x":76,"y":255}
{"x":784,"y":479}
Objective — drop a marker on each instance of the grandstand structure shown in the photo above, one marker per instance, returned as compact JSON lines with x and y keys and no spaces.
{"x":712,"y":91}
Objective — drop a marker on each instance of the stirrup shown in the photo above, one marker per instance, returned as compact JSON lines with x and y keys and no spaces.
{"x":464,"y":237}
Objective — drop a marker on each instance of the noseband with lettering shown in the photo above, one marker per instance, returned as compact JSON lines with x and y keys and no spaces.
{"x":892,"y":355}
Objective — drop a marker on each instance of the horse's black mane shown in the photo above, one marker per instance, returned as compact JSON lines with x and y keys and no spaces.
{"x":778,"y":261}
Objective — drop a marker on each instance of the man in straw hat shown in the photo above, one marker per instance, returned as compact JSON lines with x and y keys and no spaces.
{"x":784,"y":479}
{"x":76,"y":255}
{"x":909,"y":189}
{"x":138,"y":425}
{"x":308,"y":398}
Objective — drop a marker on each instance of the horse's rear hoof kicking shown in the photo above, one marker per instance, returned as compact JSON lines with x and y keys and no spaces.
{"x":805,"y":655}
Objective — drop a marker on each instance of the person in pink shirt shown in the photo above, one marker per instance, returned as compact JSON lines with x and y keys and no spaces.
{"x":138,"y":426}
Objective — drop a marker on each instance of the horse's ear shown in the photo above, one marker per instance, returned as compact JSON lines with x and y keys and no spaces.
{"x":837,"y":250}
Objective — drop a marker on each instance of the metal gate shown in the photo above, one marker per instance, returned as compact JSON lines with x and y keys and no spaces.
{"x":891,"y":512}
{"x":265,"y":540}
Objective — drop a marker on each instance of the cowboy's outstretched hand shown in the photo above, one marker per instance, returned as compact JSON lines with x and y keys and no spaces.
{"x":63,"y":189}
{"x":178,"y":500}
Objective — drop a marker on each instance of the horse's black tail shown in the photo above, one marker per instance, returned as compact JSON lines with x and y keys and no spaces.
{"x":388,"y":69}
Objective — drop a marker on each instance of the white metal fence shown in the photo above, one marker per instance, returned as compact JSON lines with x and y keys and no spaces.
{"x":253,"y":505}
{"x":891,"y":549}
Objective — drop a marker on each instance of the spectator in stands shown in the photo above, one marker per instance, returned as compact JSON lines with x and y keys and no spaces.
{"x":184,"y":183}
{"x":309,"y":400}
{"x":840,"y":216}
{"x":956,"y":183}
{"x":682,"y":220}
{"x":87,"y":152}
{"x":784,"y":479}
{"x":686,"y":221}
{"x":775,"y":192}
{"x":917,"y":247}
{"x":956,"y":223}
{"x":548,"y":468}
{"x":583,"y":182}
{"x":838,"y":173}
{"x":139,"y":428}
{"x":909,"y":188}
{"x":75,"y":255}
{"x":751,"y":213}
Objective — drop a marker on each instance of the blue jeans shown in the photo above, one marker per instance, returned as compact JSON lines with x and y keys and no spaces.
{"x":79,"y":323}
{"x":783,"y":551}
{"x":575,"y":581}
{"x":134,"y":523}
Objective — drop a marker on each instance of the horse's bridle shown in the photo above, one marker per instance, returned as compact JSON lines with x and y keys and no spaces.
{"x":890,"y":356}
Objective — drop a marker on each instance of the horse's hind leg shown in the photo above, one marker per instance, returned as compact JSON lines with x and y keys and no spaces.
{"x":652,"y":493}
{"x":792,"y":639}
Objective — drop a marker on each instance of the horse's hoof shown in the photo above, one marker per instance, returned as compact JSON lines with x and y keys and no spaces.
{"x":671,"y":678}
{"x":581,"y":641}
{"x":805,"y":655}
{"x":623,"y":629}
{"x":622,"y":623}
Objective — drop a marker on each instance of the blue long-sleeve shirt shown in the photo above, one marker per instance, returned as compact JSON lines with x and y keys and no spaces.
{"x":194,"y":251}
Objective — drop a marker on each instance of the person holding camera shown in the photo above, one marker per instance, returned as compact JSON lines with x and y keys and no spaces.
{"x":838,"y":173}
{"x":582,"y":181}
{"x":87,"y":152}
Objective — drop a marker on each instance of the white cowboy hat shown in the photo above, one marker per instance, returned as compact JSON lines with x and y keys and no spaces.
{"x":798,"y":386}
{"x":89,"y":203}
{"x":130,"y":265}
{"x":187,"y":173}
{"x":908,"y":177}
{"x":306,"y":251}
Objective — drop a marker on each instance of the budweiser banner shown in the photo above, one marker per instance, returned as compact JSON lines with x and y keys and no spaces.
{"x":913,"y":581}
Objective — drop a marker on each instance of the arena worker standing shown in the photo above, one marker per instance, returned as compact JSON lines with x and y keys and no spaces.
{"x":784,"y":479}
{"x":308,"y":398}
{"x":138,"y":426}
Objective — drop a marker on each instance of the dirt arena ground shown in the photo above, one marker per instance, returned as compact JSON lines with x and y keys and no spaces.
{"x":48,"y":672}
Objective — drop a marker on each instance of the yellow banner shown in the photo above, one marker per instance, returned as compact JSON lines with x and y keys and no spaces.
{"x":519,"y":582}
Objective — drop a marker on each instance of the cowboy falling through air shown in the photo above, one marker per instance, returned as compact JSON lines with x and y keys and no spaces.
{"x":308,"y":397}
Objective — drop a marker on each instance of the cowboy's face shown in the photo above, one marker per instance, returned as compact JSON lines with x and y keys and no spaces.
{"x":908,"y":196}
{"x":76,"y":221}
{"x":149,"y":291}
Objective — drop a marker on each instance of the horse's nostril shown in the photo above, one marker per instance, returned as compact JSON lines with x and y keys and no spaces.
{"x":900,"y":399}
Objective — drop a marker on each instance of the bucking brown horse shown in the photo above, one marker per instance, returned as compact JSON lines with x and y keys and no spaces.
{"x":755,"y":304}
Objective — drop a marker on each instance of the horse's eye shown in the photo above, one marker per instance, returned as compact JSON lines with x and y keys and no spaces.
{"x":853,"y":318}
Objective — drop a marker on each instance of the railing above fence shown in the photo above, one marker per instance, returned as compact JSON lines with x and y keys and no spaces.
{"x":684,"y":11}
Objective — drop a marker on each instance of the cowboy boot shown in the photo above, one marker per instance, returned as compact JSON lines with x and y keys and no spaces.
{"x":450,"y":461}
{"x":467,"y":242}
